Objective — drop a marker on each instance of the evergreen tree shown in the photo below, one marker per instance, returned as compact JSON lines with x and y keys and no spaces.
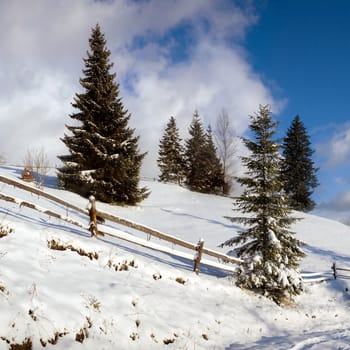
{"x":171,"y":155}
{"x":195,"y":155}
{"x":298,"y":171}
{"x":268,"y":248}
{"x":214,"y":169}
{"x":104,"y":159}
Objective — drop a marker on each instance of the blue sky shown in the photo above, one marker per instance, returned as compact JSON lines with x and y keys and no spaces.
{"x":173,"y":57}
{"x":302,"y":51}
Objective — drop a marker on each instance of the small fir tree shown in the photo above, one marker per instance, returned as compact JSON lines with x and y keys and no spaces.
{"x":103,"y":158}
{"x":195,"y":156}
{"x":298,"y":171}
{"x":171,"y":155}
{"x":268,"y":248}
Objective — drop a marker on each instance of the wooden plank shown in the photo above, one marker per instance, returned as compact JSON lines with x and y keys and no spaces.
{"x":223,"y":257}
{"x":342,"y":269}
{"x":32,"y":206}
{"x":148,"y":230}
{"x":39,"y":192}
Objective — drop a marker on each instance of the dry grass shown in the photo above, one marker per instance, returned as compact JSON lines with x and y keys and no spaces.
{"x":56,"y":245}
{"x":122,"y":266}
{"x":25,"y":345}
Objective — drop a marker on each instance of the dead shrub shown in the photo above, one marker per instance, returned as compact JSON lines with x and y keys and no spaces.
{"x":3,"y":289}
{"x":168,"y":341}
{"x":134,"y":336}
{"x":26,"y":345}
{"x":180,"y":280}
{"x":122,"y":266}
{"x":55,"y":245}
{"x":5,"y":230}
{"x":83,"y":332}
{"x":32,"y":315}
{"x":157,"y":276}
{"x":81,"y":335}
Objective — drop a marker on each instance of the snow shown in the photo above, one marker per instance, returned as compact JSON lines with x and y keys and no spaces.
{"x":273,"y":239}
{"x":125,"y":296}
{"x":87,"y":175}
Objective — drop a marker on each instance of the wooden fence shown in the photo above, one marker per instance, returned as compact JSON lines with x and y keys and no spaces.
{"x":199,"y":249}
{"x":340,"y":272}
{"x":335,"y":273}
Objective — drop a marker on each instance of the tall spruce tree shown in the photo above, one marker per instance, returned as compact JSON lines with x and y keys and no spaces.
{"x":171,"y":155}
{"x":103,"y":159}
{"x":214,"y":168}
{"x":298,"y":171}
{"x":195,"y":155}
{"x":268,"y":248}
{"x":204,"y":172}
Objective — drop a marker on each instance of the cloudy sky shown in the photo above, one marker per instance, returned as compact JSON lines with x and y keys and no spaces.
{"x":173,"y":57}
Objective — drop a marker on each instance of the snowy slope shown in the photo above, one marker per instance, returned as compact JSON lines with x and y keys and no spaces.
{"x":122,"y":296}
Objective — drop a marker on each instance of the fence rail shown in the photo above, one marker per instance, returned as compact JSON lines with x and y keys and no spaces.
{"x":334,"y":273}
{"x":343,"y":274}
{"x":198,"y":249}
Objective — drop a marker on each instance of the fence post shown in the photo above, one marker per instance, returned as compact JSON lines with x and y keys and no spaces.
{"x":198,"y":257}
{"x":334,"y":268}
{"x":93,"y":216}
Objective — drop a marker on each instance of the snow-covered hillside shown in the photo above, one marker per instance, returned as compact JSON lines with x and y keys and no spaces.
{"x":61,"y":289}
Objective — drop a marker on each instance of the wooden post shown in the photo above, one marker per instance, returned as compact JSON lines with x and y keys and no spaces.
{"x":198,"y":257}
{"x":93,"y":216}
{"x":334,"y":268}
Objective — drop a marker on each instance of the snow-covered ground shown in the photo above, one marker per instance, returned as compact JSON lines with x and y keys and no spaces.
{"x":122,"y":296}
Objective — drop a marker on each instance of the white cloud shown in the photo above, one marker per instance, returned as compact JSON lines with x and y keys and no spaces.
{"x":337,"y":151}
{"x":44,"y":41}
{"x":337,"y":208}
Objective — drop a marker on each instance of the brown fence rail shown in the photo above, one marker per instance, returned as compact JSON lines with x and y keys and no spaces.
{"x":340,"y":272}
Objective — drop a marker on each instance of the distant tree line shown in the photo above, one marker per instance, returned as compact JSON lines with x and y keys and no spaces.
{"x":199,"y":165}
{"x":196,"y":163}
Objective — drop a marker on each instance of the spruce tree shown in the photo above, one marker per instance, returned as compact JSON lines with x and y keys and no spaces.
{"x":298,"y":171}
{"x":269,"y":250}
{"x":214,"y":169}
{"x":195,"y":155}
{"x":171,"y":155}
{"x":103,"y":158}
